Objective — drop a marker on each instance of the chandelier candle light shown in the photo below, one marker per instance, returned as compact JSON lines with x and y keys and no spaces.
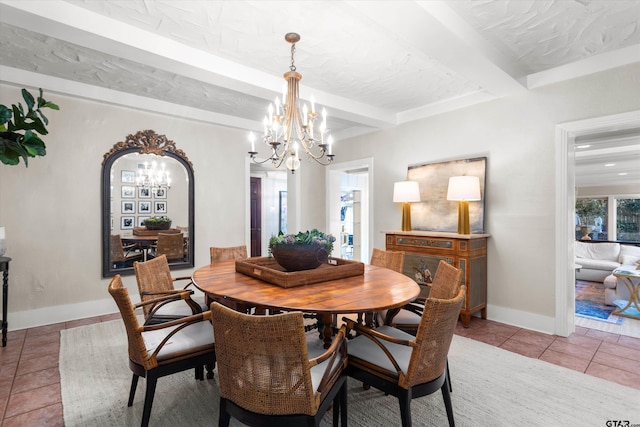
{"x":405,"y":192}
{"x":463,"y":189}
{"x":153,"y":177}
{"x":287,"y":117}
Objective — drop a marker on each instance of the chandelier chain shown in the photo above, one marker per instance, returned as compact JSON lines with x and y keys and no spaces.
{"x":292,"y":67}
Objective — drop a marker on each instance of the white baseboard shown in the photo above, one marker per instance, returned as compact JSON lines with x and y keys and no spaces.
{"x":521,"y":319}
{"x":62,"y":313}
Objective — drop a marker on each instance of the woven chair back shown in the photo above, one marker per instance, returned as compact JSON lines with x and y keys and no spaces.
{"x":225,"y":254}
{"x":171,"y":245}
{"x":446,"y":282}
{"x":137,"y":350}
{"x":116,"y":252}
{"x":393,"y":260}
{"x":433,"y":339}
{"x":263,"y":363}
{"x":153,"y":276}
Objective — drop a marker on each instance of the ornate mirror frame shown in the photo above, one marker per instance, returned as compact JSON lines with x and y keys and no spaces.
{"x":143,"y":142}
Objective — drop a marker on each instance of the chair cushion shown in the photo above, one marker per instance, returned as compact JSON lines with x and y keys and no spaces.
{"x":365,"y":349}
{"x":314,"y":349}
{"x":406,"y":317}
{"x":597,"y":264}
{"x":192,"y":337}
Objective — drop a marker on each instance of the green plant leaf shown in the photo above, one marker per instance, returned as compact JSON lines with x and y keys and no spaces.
{"x":5,"y":114}
{"x":33,"y":144}
{"x":28,"y":98}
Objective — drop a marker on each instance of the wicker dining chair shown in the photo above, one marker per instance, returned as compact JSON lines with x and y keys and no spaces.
{"x":123,"y":255}
{"x":225,"y":254}
{"x":393,"y":260}
{"x":154,"y":279}
{"x":164,"y":349}
{"x":169,"y":244}
{"x":407,"y":366}
{"x":268,"y":376}
{"x":446,"y":284}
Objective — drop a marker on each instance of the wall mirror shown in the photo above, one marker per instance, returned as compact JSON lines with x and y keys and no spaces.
{"x":146,"y":181}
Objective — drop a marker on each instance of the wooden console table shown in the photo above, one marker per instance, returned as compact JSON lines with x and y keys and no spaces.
{"x":424,"y":250}
{"x":4,"y":267}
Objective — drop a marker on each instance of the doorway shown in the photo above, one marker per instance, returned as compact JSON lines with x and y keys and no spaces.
{"x":267,"y":211}
{"x":349,"y":208}
{"x":566,"y":134}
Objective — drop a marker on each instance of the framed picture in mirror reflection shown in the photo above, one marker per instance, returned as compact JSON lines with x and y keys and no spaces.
{"x":128,"y":192}
{"x":141,"y":219}
{"x":128,"y":206}
{"x":144,"y":192}
{"x":144,"y":207}
{"x":160,"y":207}
{"x":161,"y":193}
{"x":126,"y":222}
{"x":127,"y":176}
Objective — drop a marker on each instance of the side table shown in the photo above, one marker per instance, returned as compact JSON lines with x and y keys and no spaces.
{"x":631,"y":279}
{"x":4,"y":267}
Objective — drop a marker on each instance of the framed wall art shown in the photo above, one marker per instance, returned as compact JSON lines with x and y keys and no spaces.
{"x":128,"y":206}
{"x":126,"y":222}
{"x":160,"y":193}
{"x":128,"y":192}
{"x":160,"y":207}
{"x":434,"y":212}
{"x":128,"y":177}
{"x":144,"y":207}
{"x":144,"y":192}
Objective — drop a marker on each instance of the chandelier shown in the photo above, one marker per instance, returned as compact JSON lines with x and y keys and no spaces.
{"x":153,"y":177}
{"x":287,"y":127}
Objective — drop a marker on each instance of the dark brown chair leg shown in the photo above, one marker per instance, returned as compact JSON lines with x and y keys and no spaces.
{"x":148,"y":399}
{"x":132,"y":391}
{"x":447,"y":402}
{"x":404,"y":398}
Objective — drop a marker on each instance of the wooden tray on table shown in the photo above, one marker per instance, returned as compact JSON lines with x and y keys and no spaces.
{"x":267,"y":269}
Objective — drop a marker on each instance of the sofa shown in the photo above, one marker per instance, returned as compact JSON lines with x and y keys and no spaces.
{"x":597,"y":262}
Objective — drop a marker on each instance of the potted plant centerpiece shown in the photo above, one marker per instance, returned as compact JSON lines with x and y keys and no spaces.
{"x":302,"y":251}
{"x":157,"y":223}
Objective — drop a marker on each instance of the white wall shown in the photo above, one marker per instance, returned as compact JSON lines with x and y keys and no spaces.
{"x":51,"y":210}
{"x":517,"y":135}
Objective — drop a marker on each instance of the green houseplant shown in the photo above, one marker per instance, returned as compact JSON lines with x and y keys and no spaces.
{"x":157,"y":223}
{"x":19,"y":129}
{"x":301,"y":251}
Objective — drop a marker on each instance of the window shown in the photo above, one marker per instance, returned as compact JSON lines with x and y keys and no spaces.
{"x":612,"y":218}
{"x":627,"y":219}
{"x":591,"y":219}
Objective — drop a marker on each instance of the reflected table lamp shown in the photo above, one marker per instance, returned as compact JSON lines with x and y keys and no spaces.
{"x":406,"y":192}
{"x":463,"y":189}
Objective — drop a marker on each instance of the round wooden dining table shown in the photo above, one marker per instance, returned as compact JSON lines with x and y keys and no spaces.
{"x":377,"y":289}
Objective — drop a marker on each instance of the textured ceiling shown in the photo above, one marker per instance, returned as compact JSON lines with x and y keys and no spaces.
{"x":372,"y":64}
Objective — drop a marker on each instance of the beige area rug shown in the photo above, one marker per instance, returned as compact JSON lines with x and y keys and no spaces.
{"x":628,"y":327}
{"x":491,"y":387}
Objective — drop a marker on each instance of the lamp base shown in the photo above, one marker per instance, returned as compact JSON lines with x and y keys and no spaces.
{"x":406,"y":216}
{"x":463,"y":217}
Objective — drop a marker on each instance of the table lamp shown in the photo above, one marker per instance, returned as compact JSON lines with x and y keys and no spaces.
{"x":405,"y":192}
{"x":463,"y":189}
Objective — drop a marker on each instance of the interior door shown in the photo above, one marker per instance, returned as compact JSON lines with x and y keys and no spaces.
{"x":256,"y":216}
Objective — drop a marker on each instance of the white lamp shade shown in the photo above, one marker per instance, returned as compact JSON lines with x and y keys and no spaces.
{"x":406,"y":191}
{"x":464,"y":188}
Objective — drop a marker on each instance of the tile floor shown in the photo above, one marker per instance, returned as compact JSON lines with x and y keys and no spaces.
{"x":30,"y":381}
